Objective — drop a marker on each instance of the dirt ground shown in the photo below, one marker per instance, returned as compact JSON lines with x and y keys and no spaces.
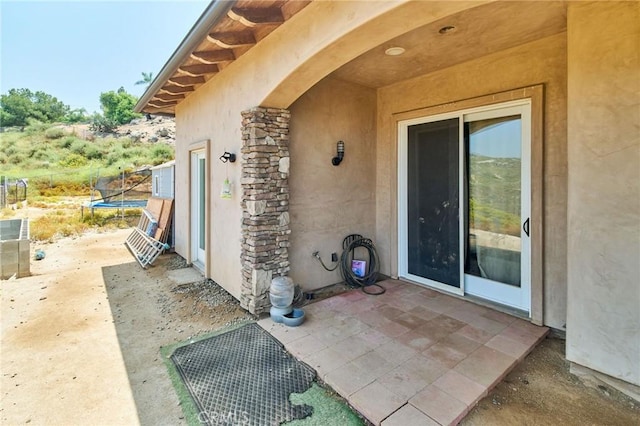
{"x":81,"y":343}
{"x":81,"y":337}
{"x":541,"y":391}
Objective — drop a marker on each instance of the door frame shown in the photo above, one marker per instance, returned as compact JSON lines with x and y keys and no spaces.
{"x":205,"y":147}
{"x":536,"y":96}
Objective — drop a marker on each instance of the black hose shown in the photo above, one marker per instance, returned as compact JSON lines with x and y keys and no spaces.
{"x":371,"y":276}
{"x":325,"y":266}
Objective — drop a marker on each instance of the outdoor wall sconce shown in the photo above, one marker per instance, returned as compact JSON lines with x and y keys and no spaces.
{"x":340,"y":155}
{"x":227,"y":156}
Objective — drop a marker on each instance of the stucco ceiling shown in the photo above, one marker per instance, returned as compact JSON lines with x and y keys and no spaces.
{"x":477,"y":32}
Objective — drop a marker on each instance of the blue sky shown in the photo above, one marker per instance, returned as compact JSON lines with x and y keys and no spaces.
{"x":75,"y":50}
{"x":501,"y":140}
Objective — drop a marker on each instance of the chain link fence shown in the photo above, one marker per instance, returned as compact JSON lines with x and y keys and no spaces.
{"x":12,"y":191}
{"x":98,"y":184}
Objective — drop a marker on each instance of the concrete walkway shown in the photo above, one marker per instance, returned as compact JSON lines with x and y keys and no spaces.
{"x":410,"y":356}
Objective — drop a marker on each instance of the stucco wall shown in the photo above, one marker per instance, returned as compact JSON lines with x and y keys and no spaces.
{"x":329,"y":202}
{"x":274,"y":73}
{"x":542,"y":61}
{"x":603,"y":331}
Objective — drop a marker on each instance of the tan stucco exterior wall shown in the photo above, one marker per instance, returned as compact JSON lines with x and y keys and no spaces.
{"x":329,"y":202}
{"x":603,"y":331}
{"x":542,"y":61}
{"x":275,"y":73}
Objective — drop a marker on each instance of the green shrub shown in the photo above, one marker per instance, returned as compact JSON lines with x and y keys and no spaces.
{"x":35,"y":127}
{"x":17,"y":158}
{"x":125,"y":142}
{"x":78,"y":147}
{"x":11,"y":150}
{"x":73,"y":160}
{"x":92,"y":152}
{"x":8,"y":140}
{"x":44,"y":155}
{"x":101,"y":124}
{"x":136,"y":152}
{"x":66,"y":142}
{"x":115,"y":156}
{"x":54,"y":133}
{"x":161,"y":153}
{"x":42,"y":165}
{"x":76,"y":116}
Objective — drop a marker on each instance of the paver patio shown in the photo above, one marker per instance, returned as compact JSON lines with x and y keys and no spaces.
{"x":411,"y":355}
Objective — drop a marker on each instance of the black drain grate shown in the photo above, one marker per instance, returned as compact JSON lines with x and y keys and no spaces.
{"x":243,"y":377}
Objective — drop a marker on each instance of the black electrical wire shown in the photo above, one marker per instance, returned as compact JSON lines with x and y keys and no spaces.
{"x":124,"y":191}
{"x":370,"y":278}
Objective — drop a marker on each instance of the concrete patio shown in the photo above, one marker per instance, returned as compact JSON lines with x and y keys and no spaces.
{"x":411,"y":355}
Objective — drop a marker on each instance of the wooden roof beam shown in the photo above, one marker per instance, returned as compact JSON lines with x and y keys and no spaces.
{"x":254,"y":17}
{"x":157,"y":104}
{"x":158,"y":111}
{"x":213,"y":56}
{"x":199,"y":69}
{"x":168,"y":97}
{"x":233,"y":39}
{"x":177,"y":89}
{"x":186,"y":80}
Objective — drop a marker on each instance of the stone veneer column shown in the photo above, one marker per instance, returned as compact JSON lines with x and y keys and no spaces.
{"x":265,"y":203}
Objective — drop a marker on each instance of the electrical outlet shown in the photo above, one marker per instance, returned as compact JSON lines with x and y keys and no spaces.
{"x":334,"y":257}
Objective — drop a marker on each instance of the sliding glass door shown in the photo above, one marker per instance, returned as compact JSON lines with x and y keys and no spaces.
{"x":464,"y":202}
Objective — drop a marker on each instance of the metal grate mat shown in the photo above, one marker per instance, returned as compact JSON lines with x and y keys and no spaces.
{"x":243,"y":376}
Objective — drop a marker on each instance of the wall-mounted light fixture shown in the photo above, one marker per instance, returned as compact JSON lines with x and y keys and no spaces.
{"x":227,"y":156}
{"x":340,"y":154}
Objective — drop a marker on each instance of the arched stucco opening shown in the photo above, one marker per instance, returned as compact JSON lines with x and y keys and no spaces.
{"x":327,"y":35}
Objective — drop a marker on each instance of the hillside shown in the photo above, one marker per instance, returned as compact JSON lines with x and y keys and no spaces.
{"x":158,"y":129}
{"x":495,"y":194}
{"x":53,"y":151}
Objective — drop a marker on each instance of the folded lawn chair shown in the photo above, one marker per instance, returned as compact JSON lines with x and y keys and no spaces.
{"x":149,"y":239}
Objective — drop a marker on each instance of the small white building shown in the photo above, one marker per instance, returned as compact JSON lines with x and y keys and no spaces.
{"x":163,"y":180}
{"x":163,"y":186}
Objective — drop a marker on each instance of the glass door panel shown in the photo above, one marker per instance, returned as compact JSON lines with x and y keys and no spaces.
{"x":201,"y":202}
{"x":497,"y":205}
{"x":432,"y":214}
{"x":494,"y":181}
{"x":198,"y":208}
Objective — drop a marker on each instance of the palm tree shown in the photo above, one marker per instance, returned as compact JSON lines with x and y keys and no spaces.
{"x":147,"y":78}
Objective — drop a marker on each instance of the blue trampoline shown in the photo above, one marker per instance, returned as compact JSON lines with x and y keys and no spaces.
{"x":117,"y":204}
{"x":114,"y":204}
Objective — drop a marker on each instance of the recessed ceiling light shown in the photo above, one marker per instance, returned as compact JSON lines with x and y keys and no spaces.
{"x":447,"y":29}
{"x":394,"y":51}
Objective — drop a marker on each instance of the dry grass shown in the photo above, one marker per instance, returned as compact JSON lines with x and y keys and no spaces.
{"x":64,"y":222}
{"x":56,"y":224}
{"x":7,"y":212}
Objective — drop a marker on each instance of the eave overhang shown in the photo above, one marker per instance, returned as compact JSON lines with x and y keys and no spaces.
{"x":225,"y":31}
